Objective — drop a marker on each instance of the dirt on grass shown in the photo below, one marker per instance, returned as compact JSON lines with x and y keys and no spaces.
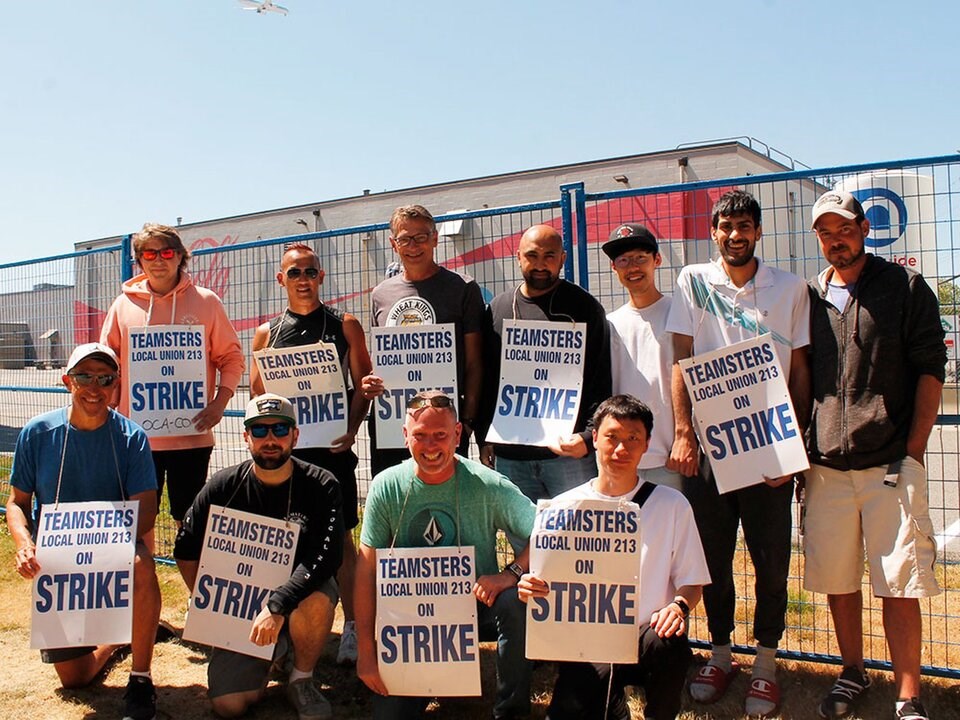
{"x":29,"y":689}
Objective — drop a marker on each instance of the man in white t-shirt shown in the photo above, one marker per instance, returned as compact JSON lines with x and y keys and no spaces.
{"x":734,"y":298}
{"x":672,"y":573}
{"x":641,"y":350}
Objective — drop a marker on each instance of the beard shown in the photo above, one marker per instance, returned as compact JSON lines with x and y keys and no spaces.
{"x":736,"y":260}
{"x":271,"y":463}
{"x":540,"y":281}
{"x":842,"y":263}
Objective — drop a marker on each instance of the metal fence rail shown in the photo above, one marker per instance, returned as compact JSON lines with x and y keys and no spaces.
{"x":49,"y":305}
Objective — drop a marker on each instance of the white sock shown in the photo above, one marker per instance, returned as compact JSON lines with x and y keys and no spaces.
{"x":720,"y":657}
{"x":765,"y":666}
{"x":134,"y":673}
{"x":299,"y":674}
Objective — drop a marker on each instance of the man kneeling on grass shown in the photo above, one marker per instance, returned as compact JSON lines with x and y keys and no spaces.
{"x":82,"y":453}
{"x":298,"y":613}
{"x":672,"y":574}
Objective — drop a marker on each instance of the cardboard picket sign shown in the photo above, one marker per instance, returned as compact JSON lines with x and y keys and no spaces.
{"x":245,"y":557}
{"x":427,"y":641}
{"x":83,"y":594}
{"x":541,"y":382}
{"x":743,"y":413}
{"x":410,"y":359}
{"x":166,"y":368}
{"x":588,"y":552}
{"x":310,"y":376}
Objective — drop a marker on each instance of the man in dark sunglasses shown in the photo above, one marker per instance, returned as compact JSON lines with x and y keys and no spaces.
{"x":300,"y":611}
{"x":438,"y":498}
{"x":307,"y":320}
{"x":92,"y":453}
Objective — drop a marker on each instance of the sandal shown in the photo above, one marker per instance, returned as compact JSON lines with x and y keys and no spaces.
{"x":763,"y":698}
{"x":711,"y":683}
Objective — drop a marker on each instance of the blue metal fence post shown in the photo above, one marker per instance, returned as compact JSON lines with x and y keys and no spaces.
{"x":126,"y":258}
{"x":580,"y":207}
{"x":566,"y":215}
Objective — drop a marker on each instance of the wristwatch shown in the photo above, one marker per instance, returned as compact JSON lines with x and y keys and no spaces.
{"x":516,"y":570}
{"x":684,"y":608}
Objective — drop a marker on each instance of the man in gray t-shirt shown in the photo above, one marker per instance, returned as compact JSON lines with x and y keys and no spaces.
{"x":426,"y":294}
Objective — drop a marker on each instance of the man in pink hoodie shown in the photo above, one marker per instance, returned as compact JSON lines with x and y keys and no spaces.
{"x":181,"y":358}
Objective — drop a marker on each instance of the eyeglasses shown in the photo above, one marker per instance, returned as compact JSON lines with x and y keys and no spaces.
{"x":85,"y":379}
{"x":295,"y":272}
{"x":408,"y":240}
{"x":260,"y":431}
{"x":625,"y":261}
{"x":421,"y":401}
{"x":150,"y":255}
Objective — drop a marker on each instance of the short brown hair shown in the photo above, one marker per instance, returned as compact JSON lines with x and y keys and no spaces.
{"x":169,"y":235}
{"x":408,"y":212}
{"x":298,"y":247}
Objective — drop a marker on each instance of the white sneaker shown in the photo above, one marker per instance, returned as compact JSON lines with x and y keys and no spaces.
{"x":347,"y":654}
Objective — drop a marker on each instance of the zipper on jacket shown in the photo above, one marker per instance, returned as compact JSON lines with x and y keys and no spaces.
{"x":841,"y":369}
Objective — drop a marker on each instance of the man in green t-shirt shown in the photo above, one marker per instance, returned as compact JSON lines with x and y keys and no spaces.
{"x":438,"y":498}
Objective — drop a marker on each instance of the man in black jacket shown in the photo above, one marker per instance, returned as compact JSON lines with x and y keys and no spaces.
{"x":544,"y":472}
{"x":275,"y":485}
{"x":878,"y":361}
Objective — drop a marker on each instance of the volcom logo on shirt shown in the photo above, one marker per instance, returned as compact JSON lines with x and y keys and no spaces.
{"x":411,"y":311}
{"x":433,"y":534}
{"x":432,"y":527}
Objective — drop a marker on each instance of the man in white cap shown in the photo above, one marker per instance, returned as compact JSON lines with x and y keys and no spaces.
{"x":878,"y":360}
{"x":64,"y":455}
{"x":275,"y":484}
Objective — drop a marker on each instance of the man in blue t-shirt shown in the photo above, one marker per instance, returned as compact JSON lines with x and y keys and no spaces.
{"x":87,"y":452}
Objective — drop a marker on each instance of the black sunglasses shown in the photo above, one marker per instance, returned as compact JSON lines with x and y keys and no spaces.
{"x":260,"y":431}
{"x":86,"y":379}
{"x":422,"y":401}
{"x":295,"y":272}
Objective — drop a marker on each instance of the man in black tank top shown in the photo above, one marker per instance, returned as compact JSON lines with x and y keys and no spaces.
{"x":306,"y":321}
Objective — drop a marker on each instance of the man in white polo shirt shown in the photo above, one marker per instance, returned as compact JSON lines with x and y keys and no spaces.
{"x":734,"y":298}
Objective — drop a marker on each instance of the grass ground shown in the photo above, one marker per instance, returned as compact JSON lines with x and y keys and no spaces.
{"x":29,"y":689}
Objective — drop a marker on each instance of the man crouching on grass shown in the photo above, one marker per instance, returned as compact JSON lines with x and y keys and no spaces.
{"x":81,"y":453}
{"x":298,"y":613}
{"x":672,"y":574}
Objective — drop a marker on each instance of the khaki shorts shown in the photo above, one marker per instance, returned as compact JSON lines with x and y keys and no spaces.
{"x":848,"y":510}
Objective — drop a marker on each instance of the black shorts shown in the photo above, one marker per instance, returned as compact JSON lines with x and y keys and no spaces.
{"x":343,"y":466}
{"x":185,"y":472}
{"x":58,"y":655}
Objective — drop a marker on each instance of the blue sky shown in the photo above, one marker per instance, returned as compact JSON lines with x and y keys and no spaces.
{"x":114,"y":112}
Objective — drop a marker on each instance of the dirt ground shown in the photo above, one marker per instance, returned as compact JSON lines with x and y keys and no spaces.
{"x":29,"y":689}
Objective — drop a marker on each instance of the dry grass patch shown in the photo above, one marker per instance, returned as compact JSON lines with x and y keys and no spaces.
{"x":29,"y":688}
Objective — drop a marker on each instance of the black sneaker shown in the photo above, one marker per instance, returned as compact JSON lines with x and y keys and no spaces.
{"x":912,"y":710}
{"x":849,"y":686}
{"x":140,"y":699}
